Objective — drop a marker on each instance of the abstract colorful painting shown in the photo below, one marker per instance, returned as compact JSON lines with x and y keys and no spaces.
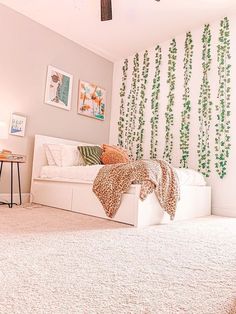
{"x":58,"y":88}
{"x":91,"y":100}
{"x":17,"y":125}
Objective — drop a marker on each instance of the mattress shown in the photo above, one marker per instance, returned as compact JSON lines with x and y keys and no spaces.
{"x":88,"y":173}
{"x":79,"y":173}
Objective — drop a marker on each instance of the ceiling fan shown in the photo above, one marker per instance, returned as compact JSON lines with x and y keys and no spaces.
{"x":106,"y":10}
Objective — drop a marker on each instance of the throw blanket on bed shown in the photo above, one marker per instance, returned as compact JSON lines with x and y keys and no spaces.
{"x":157,"y":176}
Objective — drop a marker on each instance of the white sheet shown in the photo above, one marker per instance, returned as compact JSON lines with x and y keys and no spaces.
{"x":190,"y":177}
{"x":89,"y":173}
{"x":81,"y":173}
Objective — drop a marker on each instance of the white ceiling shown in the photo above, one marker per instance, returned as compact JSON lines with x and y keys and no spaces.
{"x":136,"y":24}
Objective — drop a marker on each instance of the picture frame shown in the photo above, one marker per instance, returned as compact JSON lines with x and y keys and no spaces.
{"x":91,"y":100}
{"x":17,"y":125}
{"x":58,"y":90}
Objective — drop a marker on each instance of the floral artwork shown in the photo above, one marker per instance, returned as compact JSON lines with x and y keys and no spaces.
{"x":91,"y":100}
{"x":58,"y":88}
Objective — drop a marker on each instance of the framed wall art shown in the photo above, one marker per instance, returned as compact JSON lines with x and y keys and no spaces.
{"x":17,"y":125}
{"x":58,"y":88}
{"x":91,"y":100}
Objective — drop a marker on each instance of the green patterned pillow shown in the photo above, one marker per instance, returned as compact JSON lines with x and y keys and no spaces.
{"x":91,"y":154}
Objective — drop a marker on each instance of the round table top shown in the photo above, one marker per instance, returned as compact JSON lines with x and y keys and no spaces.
{"x":13,"y":160}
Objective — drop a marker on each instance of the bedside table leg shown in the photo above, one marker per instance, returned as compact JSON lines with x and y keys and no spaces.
{"x":1,"y":169}
{"x":11,"y":204}
{"x":18,"y":171}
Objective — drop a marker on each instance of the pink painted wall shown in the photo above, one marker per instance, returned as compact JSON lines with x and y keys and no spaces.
{"x":27,"y":48}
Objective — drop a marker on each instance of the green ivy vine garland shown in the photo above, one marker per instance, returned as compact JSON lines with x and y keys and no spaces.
{"x":121,"y":122}
{"x":185,"y":114}
{"x":205,"y":107}
{"x":143,"y":101}
{"x":155,"y":104}
{"x":131,"y":112}
{"x":222,"y":140}
{"x":169,"y":116}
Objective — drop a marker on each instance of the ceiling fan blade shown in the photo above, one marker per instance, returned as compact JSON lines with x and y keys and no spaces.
{"x":106,"y":10}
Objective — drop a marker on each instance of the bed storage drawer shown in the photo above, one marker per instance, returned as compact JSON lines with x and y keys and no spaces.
{"x":85,"y":201}
{"x":53,"y":194}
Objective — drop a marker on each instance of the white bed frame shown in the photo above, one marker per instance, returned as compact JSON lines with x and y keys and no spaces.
{"x":77,"y":196}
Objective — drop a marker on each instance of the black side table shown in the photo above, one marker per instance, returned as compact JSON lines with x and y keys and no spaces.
{"x":12,"y":162}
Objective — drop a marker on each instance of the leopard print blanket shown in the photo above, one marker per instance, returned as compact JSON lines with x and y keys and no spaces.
{"x":158,"y":176}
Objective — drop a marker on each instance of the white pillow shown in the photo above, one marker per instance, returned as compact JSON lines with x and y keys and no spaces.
{"x":50,"y":159}
{"x":65,"y":155}
{"x":71,"y":156}
{"x":55,"y":150}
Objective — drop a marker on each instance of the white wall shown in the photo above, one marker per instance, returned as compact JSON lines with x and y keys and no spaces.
{"x":223,"y":190}
{"x":27,"y":48}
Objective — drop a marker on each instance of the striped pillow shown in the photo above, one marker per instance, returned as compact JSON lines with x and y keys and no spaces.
{"x":91,"y":154}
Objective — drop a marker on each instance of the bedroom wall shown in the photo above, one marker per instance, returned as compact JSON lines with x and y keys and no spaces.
{"x":223,"y":201}
{"x":27,"y":48}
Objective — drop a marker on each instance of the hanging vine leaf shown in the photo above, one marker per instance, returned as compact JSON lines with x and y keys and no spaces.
{"x":121,"y":122}
{"x":155,"y":104}
{"x":143,"y":101}
{"x":185,"y":114}
{"x":205,"y":107}
{"x":222,"y":140}
{"x":131,"y":112}
{"x":169,"y":116}
{"x":134,"y":110}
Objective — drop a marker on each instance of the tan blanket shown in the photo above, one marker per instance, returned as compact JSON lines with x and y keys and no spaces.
{"x":114,"y":180}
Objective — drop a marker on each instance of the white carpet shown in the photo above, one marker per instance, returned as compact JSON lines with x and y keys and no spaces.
{"x":187,"y":267}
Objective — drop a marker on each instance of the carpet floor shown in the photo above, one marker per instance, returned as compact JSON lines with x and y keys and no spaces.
{"x":59,"y":262}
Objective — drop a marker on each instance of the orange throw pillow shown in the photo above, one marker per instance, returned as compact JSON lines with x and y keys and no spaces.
{"x":113,"y":155}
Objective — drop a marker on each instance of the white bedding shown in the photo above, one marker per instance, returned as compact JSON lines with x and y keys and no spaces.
{"x":89,"y":173}
{"x":81,"y":173}
{"x":190,"y":177}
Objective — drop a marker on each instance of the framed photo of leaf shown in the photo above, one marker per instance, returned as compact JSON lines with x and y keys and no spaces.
{"x":58,"y":88}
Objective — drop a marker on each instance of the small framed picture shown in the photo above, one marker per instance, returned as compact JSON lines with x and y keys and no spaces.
{"x":91,"y":100}
{"x":58,"y":88}
{"x":17,"y":125}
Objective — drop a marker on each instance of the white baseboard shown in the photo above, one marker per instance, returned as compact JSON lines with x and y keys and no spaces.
{"x":224,"y":211}
{"x":5,"y":197}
